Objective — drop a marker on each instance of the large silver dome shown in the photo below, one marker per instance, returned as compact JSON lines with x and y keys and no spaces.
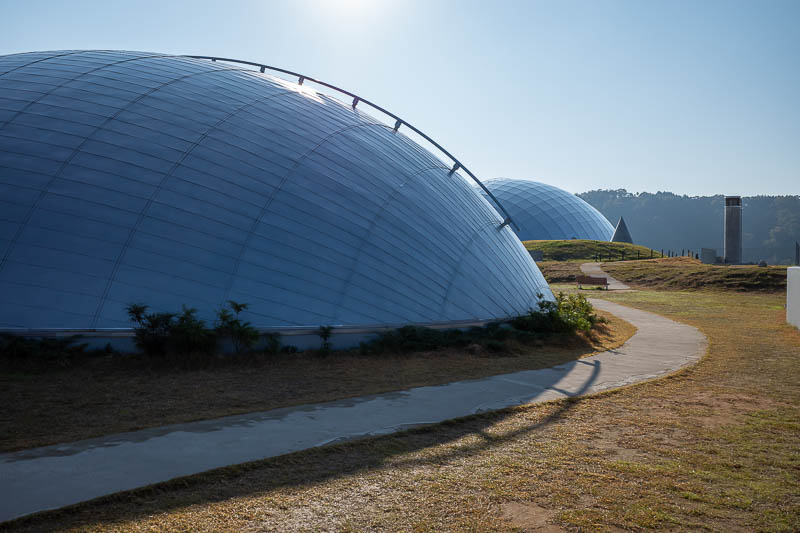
{"x":545,"y":212}
{"x":137,"y":177}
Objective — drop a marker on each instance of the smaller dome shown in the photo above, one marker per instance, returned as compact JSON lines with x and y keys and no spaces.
{"x":545,"y":212}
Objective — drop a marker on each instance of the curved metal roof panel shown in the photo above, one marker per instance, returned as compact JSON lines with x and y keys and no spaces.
{"x":545,"y":212}
{"x":136,"y":177}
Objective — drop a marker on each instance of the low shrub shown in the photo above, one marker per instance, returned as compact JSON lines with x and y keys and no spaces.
{"x":495,"y":346}
{"x":41,"y":354}
{"x":243,"y":335}
{"x":158,"y":334}
{"x":184,"y":334}
{"x":566,"y":315}
{"x":325,"y":333}
{"x":152,"y":330}
{"x":408,"y":338}
{"x":189,"y":335}
{"x":272,"y":344}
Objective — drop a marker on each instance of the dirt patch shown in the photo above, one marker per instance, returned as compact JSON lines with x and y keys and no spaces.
{"x":529,"y":517}
{"x":611,"y":443}
{"x":717,"y":408}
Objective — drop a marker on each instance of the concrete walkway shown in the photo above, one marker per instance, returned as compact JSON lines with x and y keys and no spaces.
{"x":54,"y":476}
{"x":593,"y":269}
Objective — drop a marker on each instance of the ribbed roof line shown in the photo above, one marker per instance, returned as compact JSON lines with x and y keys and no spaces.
{"x":457,"y":165}
{"x":72,"y":52}
{"x":373,"y":223}
{"x":74,"y":151}
{"x":265,"y":207}
{"x":68,"y":81}
{"x":166,"y":178}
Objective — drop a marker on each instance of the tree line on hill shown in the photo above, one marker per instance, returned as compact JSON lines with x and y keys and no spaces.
{"x":663,"y":220}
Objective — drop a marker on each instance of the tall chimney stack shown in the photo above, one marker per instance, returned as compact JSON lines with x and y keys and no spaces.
{"x":733,"y":230}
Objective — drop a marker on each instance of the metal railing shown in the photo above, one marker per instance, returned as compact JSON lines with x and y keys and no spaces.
{"x":457,"y":165}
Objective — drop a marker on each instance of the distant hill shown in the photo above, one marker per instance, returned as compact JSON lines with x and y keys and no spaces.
{"x":771,"y":224}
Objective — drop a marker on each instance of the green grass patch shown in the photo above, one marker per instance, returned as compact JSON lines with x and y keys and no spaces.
{"x":586,"y":250}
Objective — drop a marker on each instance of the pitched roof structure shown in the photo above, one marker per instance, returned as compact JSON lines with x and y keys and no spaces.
{"x":621,"y":233}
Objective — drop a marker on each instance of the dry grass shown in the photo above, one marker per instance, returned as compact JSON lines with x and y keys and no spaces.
{"x":560,"y":271}
{"x":113,"y":395}
{"x":686,"y":273}
{"x":714,"y":447}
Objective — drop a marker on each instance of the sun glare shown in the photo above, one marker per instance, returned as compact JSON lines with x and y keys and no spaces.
{"x":353,"y":10}
{"x":303,"y":89}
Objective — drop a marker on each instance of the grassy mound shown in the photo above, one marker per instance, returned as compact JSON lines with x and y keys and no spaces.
{"x":685,"y":273}
{"x":560,"y":271}
{"x":586,"y":250}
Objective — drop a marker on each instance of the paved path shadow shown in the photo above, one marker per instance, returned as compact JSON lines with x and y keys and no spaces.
{"x":55,"y":476}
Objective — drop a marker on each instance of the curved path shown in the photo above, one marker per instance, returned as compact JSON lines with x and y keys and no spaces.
{"x":593,"y":269}
{"x":54,"y":476}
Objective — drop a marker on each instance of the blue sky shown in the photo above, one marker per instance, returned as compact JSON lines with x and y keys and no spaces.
{"x":697,"y":97}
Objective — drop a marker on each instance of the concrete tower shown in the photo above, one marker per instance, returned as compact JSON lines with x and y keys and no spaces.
{"x":733,"y":230}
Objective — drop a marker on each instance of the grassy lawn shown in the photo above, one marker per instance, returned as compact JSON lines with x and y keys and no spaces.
{"x":586,"y":250}
{"x":123,"y":393}
{"x":714,"y":447}
{"x":687,"y":273}
{"x":560,"y":271}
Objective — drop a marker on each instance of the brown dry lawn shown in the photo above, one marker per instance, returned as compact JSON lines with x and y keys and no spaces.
{"x":714,"y":447}
{"x":114,"y":394}
{"x":679,"y":273}
{"x":560,"y":271}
